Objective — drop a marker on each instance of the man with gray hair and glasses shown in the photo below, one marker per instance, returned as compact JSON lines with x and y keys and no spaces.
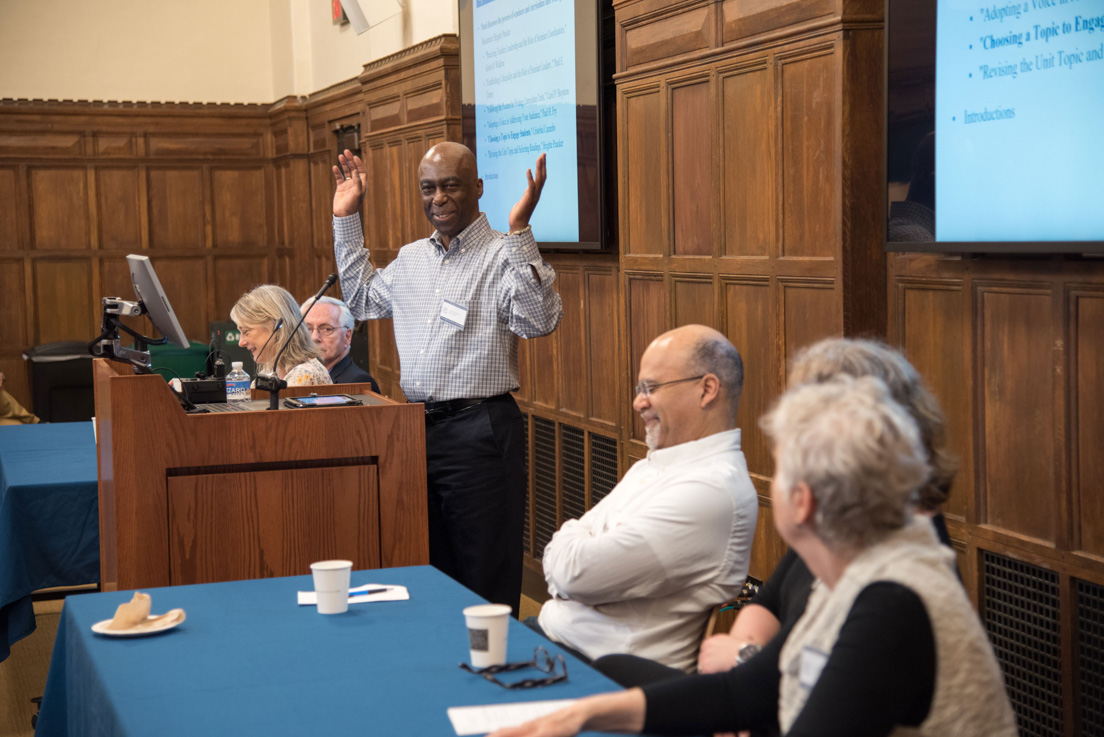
{"x":640,"y":572}
{"x":330,"y":325}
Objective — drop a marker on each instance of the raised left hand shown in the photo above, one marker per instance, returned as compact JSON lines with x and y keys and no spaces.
{"x":523,"y":210}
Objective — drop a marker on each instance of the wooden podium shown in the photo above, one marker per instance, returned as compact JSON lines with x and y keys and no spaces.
{"x":233,"y":495}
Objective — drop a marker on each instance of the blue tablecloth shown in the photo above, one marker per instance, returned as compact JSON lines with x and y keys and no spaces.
{"x":248,"y":660}
{"x":49,"y":518}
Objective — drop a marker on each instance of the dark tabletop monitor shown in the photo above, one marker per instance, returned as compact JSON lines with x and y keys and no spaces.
{"x":148,"y":288}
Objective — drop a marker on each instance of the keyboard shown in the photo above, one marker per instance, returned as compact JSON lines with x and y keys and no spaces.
{"x":250,"y":406}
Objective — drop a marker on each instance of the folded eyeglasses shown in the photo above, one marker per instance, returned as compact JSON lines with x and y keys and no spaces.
{"x":542,"y":661}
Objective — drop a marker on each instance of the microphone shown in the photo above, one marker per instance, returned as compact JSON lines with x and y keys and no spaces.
{"x":271,"y":383}
{"x":219,"y":365}
{"x":330,"y":281}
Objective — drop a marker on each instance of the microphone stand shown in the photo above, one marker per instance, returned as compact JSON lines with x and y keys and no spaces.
{"x":279,"y":324}
{"x":272,"y":383}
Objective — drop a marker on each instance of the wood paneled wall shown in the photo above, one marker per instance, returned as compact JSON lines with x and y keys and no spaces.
{"x":221,"y":197}
{"x":199,"y":188}
{"x":772,"y":233}
{"x":1013,"y":348}
{"x":746,"y":137}
{"x":767,"y":240}
{"x":738,"y":203}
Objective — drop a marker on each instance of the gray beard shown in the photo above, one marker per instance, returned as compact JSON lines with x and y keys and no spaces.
{"x":651,"y":436}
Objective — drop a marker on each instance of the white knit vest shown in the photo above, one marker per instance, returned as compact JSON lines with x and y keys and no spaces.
{"x":969,"y":698}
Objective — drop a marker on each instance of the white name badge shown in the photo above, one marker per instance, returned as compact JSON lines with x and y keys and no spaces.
{"x":454,"y":314}
{"x":812,"y":663}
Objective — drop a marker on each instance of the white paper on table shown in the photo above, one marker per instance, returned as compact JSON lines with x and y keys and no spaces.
{"x":357,"y":595}
{"x":483,"y":719}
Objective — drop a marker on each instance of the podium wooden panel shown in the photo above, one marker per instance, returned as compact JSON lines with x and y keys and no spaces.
{"x":225,"y":527}
{"x":222,"y":496}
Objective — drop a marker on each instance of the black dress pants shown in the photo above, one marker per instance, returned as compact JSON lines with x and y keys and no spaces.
{"x":475,"y":465}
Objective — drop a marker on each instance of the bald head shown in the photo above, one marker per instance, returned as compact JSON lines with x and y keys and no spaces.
{"x":452,"y":154}
{"x":450,"y":187}
{"x":697,"y":375}
{"x":708,"y":351}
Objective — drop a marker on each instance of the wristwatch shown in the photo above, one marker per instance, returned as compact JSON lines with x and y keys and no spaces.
{"x":746,"y":652}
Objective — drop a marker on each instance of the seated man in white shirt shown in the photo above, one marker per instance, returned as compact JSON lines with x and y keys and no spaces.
{"x":640,"y":572}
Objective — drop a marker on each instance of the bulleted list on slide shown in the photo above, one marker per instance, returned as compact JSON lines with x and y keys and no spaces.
{"x":1019,"y":109}
{"x":525,"y":97}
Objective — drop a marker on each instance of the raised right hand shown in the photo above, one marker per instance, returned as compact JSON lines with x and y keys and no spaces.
{"x":351,"y":178}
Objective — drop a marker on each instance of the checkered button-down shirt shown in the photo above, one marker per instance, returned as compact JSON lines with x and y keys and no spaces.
{"x":483,"y":271}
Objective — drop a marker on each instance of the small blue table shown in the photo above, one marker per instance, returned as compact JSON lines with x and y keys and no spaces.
{"x":49,"y":518}
{"x":248,"y":660}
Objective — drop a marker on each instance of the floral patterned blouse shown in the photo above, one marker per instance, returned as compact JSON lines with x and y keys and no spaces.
{"x":307,"y":374}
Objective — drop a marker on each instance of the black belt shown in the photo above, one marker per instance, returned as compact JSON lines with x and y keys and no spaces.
{"x":435,"y":411}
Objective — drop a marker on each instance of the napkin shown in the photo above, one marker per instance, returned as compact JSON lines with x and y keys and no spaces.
{"x":135,"y":615}
{"x":359,"y":594}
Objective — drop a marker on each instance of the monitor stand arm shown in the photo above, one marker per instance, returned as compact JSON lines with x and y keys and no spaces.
{"x":108,"y":345}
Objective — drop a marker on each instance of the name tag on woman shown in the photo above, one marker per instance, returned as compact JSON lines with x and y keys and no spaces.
{"x":812,"y":663}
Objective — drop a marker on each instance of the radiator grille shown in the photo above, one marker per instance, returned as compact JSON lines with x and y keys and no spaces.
{"x":603,"y":467}
{"x":1090,"y":658}
{"x":544,"y":483}
{"x":1021,"y":608}
{"x":527,"y":536}
{"x":573,"y":471}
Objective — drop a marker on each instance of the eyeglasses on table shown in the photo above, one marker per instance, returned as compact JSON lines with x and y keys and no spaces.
{"x":542,"y":661}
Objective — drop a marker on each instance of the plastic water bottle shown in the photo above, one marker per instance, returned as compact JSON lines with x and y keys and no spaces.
{"x":237,"y":384}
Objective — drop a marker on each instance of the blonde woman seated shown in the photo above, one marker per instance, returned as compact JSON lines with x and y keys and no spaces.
{"x":269,"y":311}
{"x":888,"y":644}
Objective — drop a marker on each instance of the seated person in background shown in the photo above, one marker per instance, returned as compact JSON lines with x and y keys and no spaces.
{"x":257,"y":314}
{"x":11,"y":411}
{"x":781,"y":600}
{"x":640,"y":571}
{"x":330,"y":325}
{"x":913,"y":219}
{"x":889,"y":643}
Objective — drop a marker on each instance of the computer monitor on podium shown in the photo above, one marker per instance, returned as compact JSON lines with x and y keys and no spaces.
{"x":148,"y":289}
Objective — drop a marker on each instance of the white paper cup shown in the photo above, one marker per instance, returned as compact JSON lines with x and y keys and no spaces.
{"x":488,"y":625}
{"x":331,"y":585}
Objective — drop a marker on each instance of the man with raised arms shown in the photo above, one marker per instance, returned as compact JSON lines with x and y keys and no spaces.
{"x":459,"y":299}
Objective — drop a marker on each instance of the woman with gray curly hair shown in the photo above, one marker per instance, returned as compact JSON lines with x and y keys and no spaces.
{"x":857,"y":357}
{"x":266,"y":316}
{"x":888,"y":644}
